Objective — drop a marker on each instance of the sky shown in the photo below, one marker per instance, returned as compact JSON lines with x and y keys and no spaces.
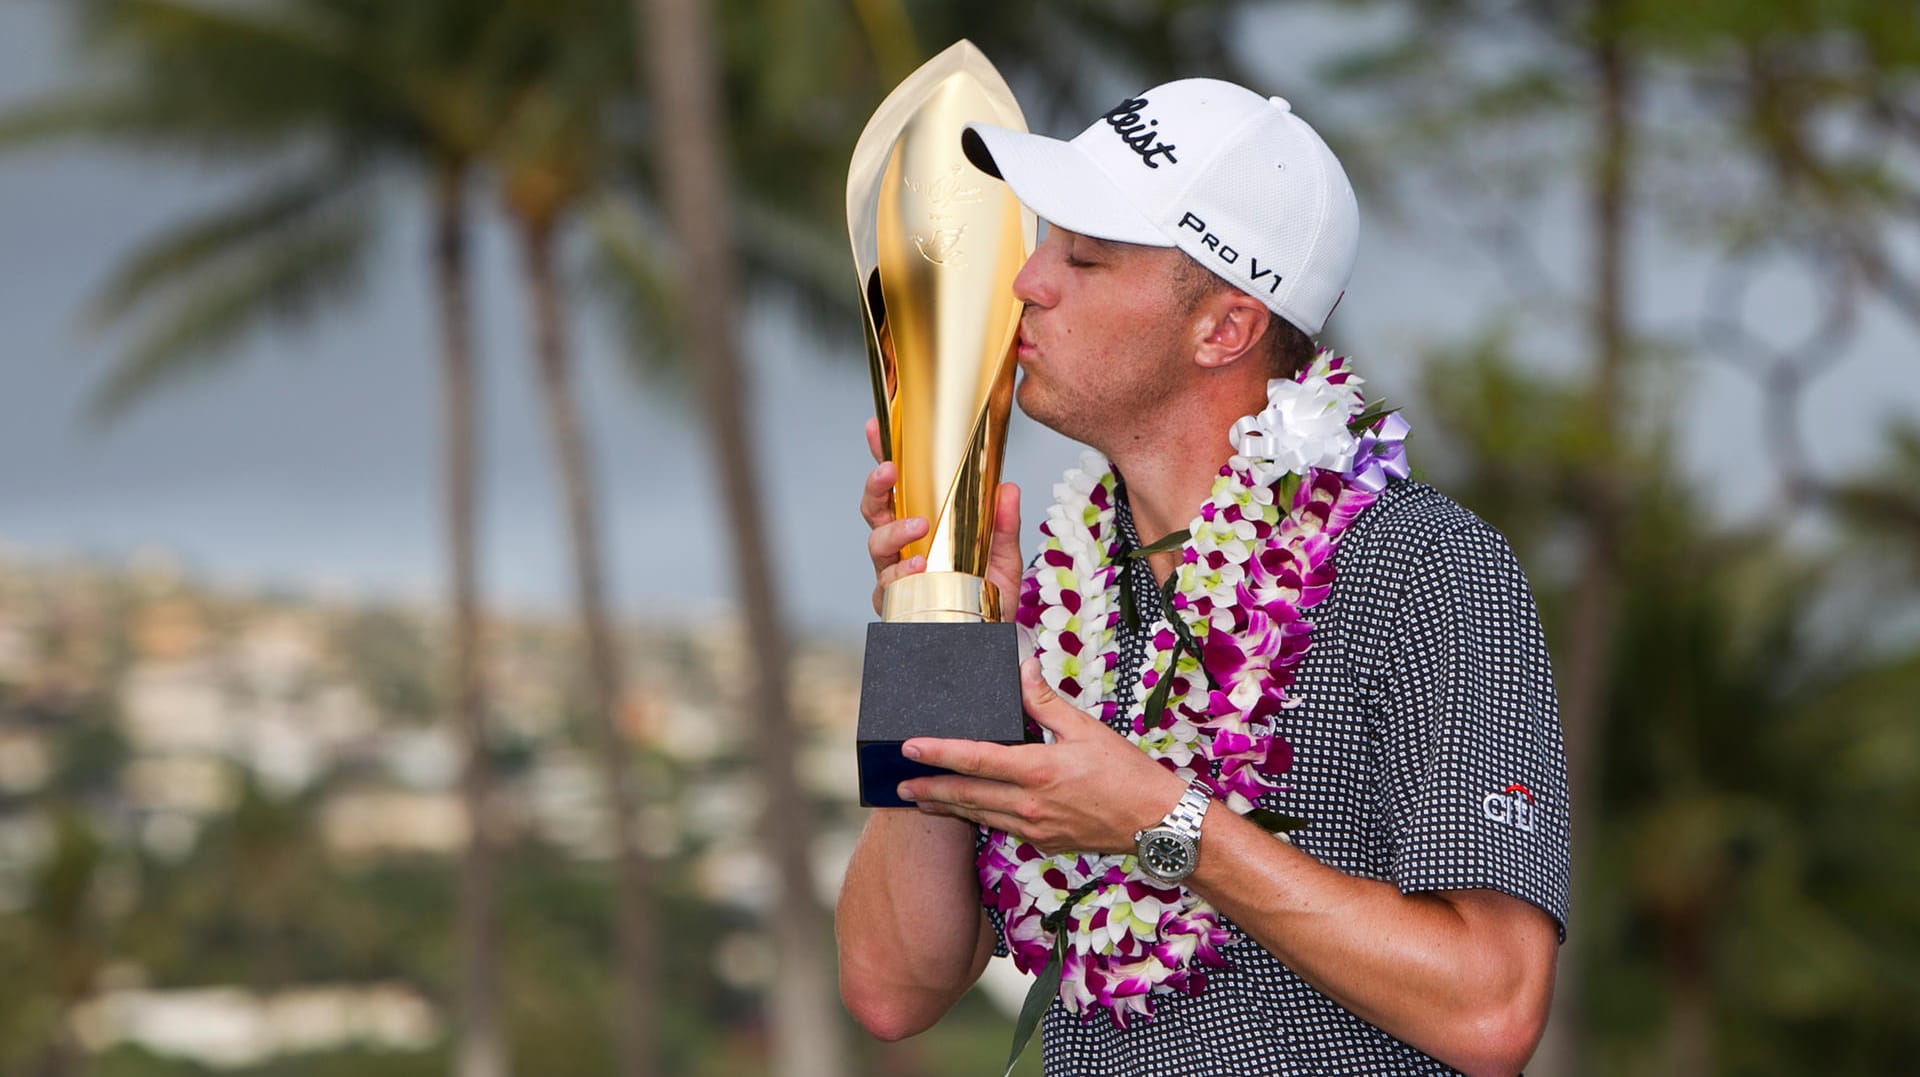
{"x":309,"y":461}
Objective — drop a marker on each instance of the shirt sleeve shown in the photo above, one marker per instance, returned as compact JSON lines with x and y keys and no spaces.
{"x":1475,"y":777}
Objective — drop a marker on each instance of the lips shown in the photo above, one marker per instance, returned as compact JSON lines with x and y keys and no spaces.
{"x":1023,"y":346}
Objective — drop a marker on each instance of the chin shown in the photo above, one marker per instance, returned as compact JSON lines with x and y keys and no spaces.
{"x":1022,"y":392}
{"x":1033,"y":403}
{"x":1040,"y":409}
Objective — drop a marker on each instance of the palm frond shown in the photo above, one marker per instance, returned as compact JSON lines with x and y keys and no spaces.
{"x":223,"y":76}
{"x":70,"y":114}
{"x":283,"y":282}
{"x":177,"y":257}
{"x":634,"y":278}
{"x":809,"y":259}
{"x":277,"y":32}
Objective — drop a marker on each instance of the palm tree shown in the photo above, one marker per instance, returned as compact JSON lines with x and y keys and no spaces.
{"x":483,"y":1044}
{"x":328,"y":97}
{"x":685,"y":82}
{"x":551,"y":155}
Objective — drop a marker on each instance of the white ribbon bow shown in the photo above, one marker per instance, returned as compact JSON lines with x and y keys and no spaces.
{"x":1304,"y":425}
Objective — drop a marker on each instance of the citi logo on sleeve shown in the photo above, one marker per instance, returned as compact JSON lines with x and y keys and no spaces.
{"x":1512,"y":806}
{"x":1138,"y":133}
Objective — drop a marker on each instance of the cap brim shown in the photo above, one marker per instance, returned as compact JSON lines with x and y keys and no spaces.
{"x":1059,"y":184}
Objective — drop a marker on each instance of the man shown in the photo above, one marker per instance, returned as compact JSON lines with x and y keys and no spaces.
{"x":1199,"y":235}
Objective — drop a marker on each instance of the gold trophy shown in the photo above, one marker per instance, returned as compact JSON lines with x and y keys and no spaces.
{"x":936,"y":245}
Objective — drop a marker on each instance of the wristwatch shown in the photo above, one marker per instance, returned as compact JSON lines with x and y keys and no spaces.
{"x":1169,"y":849}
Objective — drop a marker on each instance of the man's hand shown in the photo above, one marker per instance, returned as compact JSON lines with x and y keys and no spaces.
{"x":889,"y":535}
{"x":1088,"y":791}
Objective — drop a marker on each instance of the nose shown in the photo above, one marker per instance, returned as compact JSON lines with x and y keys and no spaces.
{"x":1034,"y":284}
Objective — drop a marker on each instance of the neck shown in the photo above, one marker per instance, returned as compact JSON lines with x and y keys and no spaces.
{"x":1165,"y":491}
{"x":1170,"y":470}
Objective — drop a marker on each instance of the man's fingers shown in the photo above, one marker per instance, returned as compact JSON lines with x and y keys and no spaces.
{"x":888,"y":535}
{"x":1003,"y":548}
{"x":885,"y":542}
{"x":1004,"y":563}
{"x":1012,"y":824}
{"x":892,"y":572}
{"x":876,"y":496}
{"x":1000,"y":805}
{"x":969,"y":794}
{"x":999,"y":763}
{"x":1006,"y":515}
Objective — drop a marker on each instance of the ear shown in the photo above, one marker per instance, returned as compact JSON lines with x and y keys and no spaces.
{"x":1229,"y":325}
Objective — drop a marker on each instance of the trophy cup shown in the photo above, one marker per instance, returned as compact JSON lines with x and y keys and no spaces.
{"x":936,"y":245}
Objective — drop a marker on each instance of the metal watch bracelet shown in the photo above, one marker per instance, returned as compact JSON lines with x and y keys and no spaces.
{"x":1189,"y":811}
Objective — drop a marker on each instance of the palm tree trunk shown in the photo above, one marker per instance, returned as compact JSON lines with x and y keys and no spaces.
{"x":1584,"y":695}
{"x":807,"y":1021}
{"x":1686,"y":944}
{"x":633,"y":923}
{"x":62,"y":1055}
{"x":482,"y":1050}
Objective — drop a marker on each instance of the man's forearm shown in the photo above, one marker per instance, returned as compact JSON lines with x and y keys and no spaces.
{"x":1465,"y":976}
{"x":912,"y":934}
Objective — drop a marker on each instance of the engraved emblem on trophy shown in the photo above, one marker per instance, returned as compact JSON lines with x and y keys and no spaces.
{"x":936,"y":245}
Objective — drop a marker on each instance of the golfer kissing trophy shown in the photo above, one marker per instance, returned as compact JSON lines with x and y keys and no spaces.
{"x":936,"y":245}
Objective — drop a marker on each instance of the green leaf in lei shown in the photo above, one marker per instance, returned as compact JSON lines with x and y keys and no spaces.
{"x":1047,"y":984}
{"x":1274,"y":822}
{"x":1372,"y":414}
{"x":1157,"y":699}
{"x":1129,"y":610}
{"x":1283,"y":493}
{"x":1039,"y":997}
{"x":1164,"y":544}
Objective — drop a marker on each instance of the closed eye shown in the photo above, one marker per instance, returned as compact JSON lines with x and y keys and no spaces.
{"x":1085,"y":252}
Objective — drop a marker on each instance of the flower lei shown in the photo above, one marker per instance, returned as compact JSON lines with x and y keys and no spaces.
{"x":1208,"y":701}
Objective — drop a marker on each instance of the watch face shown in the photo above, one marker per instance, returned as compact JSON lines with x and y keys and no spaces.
{"x":1166,"y":854}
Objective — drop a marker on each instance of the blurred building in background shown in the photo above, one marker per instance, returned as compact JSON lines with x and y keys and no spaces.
{"x":164,"y":733}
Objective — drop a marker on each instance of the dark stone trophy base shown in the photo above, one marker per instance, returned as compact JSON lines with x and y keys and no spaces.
{"x":933,"y":680}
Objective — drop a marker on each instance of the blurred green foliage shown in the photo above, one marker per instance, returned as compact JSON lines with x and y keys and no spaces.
{"x":1747,"y":902}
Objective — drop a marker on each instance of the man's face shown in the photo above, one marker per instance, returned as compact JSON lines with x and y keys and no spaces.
{"x":1104,"y":338}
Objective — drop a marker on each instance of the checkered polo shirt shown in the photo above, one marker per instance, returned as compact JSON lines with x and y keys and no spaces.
{"x":1427,"y":753}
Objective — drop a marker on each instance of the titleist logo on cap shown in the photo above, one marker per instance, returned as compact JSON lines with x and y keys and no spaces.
{"x":1139,"y":133}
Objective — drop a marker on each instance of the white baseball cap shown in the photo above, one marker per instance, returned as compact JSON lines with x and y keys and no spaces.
{"x":1234,"y":179}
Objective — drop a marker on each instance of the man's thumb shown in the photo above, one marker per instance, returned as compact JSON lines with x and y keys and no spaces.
{"x":1043,"y":704}
{"x":1033,"y":687}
